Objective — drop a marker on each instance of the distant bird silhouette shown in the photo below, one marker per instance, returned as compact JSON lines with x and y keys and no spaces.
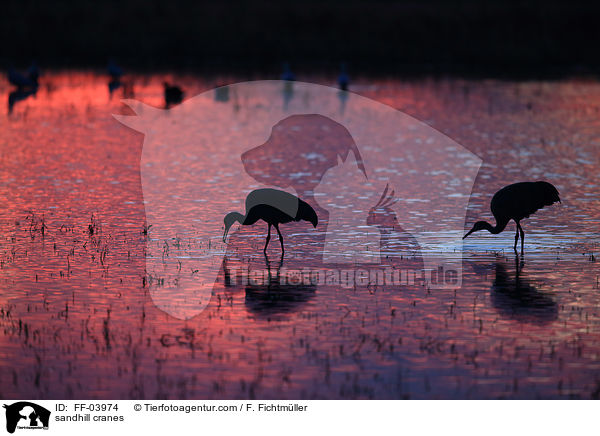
{"x":287,"y":74}
{"x":27,"y":85}
{"x":273,"y":207}
{"x":29,"y":81}
{"x":173,"y":94}
{"x":343,"y":78}
{"x":33,"y":72}
{"x":516,"y":202}
{"x":114,"y":71}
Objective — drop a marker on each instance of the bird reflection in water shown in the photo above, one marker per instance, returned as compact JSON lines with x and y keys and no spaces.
{"x":127,"y":88}
{"x":516,"y":298}
{"x":18,"y":95}
{"x":343,"y":98}
{"x":287,"y":93}
{"x":115,"y":72}
{"x":222,"y":93}
{"x":272,"y":295}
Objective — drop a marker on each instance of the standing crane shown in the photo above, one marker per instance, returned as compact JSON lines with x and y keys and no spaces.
{"x":273,"y":207}
{"x":516,"y":202}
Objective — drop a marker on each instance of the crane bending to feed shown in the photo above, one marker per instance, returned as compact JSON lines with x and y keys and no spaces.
{"x":516,"y":202}
{"x":273,"y":207}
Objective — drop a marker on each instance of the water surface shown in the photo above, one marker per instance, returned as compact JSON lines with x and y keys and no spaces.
{"x":77,"y":321}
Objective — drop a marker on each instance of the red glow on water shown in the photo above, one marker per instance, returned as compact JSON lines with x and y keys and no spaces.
{"x":77,"y":320}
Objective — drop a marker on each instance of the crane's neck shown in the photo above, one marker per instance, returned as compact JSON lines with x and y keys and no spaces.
{"x":494,"y":229}
{"x":236,"y":216}
{"x":229,"y":219}
{"x":484,"y":225}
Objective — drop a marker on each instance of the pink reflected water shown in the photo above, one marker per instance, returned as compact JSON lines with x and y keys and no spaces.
{"x":77,"y":320}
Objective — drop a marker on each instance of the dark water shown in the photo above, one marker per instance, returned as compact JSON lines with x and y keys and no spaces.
{"x":77,"y":320}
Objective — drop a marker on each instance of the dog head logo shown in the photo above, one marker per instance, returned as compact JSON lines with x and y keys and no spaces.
{"x":365,"y":169}
{"x":26,"y":415}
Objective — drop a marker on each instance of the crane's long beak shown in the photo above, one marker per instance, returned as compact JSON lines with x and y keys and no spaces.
{"x":225,"y":236}
{"x":470,"y":231}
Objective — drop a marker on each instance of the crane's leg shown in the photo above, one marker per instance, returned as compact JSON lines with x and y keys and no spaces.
{"x":522,"y":237}
{"x":268,"y":239}
{"x":516,"y":239}
{"x":280,"y":238}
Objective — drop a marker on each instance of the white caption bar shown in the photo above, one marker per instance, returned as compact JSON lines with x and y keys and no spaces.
{"x":298,"y":417}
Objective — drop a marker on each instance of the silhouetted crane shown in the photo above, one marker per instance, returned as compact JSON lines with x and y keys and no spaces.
{"x":114,"y":71}
{"x":273,"y":207}
{"x":516,"y":202}
{"x":173,"y":94}
{"x":343,"y":78}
